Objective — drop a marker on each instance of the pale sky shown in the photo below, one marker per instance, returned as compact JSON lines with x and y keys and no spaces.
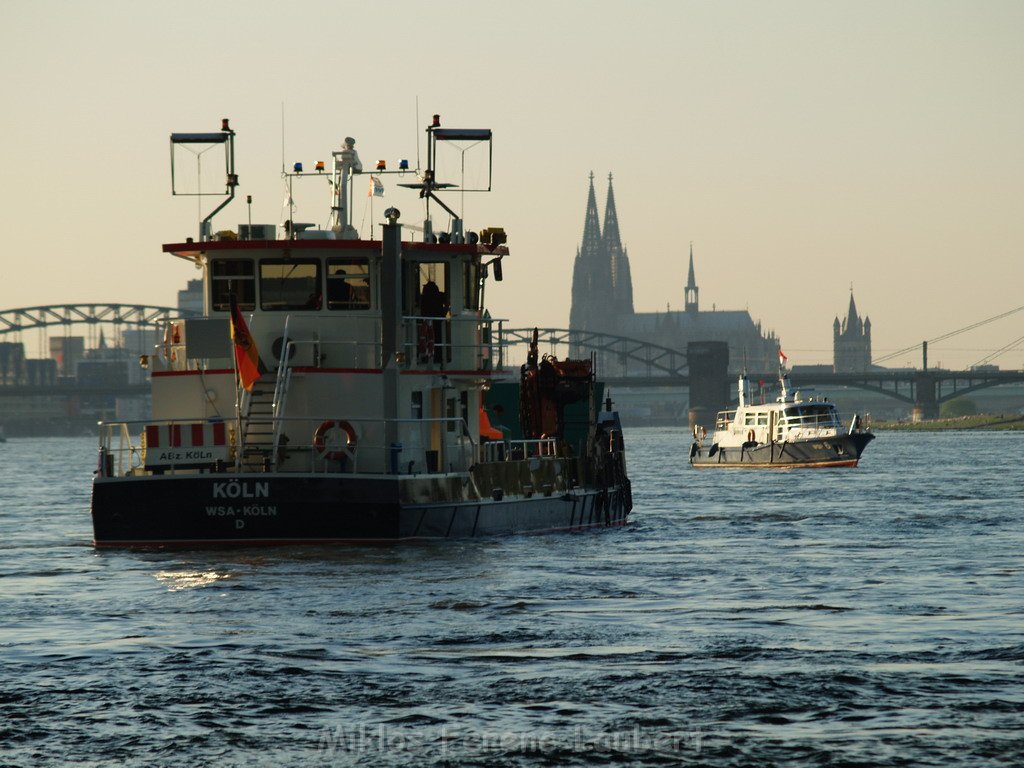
{"x":801,"y":146}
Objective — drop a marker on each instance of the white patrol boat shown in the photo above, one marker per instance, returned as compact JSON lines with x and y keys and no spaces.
{"x":335,"y":389}
{"x":791,"y":432}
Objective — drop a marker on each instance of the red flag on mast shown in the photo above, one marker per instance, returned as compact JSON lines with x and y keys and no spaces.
{"x":247,"y":356}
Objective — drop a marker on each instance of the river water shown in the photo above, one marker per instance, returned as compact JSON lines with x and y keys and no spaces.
{"x":864,"y":617}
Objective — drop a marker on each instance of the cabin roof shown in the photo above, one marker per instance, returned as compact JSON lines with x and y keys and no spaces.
{"x":191,"y":250}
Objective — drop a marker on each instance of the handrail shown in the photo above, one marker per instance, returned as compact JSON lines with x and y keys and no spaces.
{"x":487,"y":351}
{"x":129,"y":451}
{"x":280,"y":390}
{"x":509,"y":450}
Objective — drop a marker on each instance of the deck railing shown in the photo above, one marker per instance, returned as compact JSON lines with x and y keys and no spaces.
{"x":462,"y":342}
{"x":123,"y":448}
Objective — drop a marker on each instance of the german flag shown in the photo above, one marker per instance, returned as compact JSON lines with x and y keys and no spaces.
{"x":247,"y":356}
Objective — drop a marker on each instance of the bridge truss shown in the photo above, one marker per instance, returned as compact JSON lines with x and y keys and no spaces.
{"x":624,"y":356}
{"x":27,"y":318}
{"x":635,"y":363}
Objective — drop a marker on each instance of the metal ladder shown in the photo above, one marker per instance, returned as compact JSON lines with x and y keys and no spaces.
{"x":262,"y":409}
{"x":280,"y":396}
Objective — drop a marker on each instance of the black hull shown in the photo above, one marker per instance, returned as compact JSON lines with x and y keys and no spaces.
{"x":267,"y":509}
{"x":839,"y":451}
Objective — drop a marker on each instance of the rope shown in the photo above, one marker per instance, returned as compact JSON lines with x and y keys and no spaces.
{"x":998,"y":352}
{"x":950,"y":335}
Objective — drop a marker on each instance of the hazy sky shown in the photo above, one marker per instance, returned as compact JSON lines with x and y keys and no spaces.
{"x":802,"y":146}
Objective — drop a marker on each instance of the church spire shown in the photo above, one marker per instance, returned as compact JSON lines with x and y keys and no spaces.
{"x":611,"y":219}
{"x":615,"y":254}
{"x":591,"y":246}
{"x":591,"y":276}
{"x":852,"y":319}
{"x":692,"y":291}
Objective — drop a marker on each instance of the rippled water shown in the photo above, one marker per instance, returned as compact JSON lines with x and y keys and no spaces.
{"x":866,"y":617}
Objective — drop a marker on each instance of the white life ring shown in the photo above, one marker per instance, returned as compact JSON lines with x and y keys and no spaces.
{"x":320,"y":439}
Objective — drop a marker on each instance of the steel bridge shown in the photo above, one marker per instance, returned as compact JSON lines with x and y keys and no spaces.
{"x":622,"y":361}
{"x":625,"y":362}
{"x":139,"y":315}
{"x":641,"y":363}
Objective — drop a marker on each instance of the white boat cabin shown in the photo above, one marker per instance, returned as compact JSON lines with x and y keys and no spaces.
{"x":790,"y":418}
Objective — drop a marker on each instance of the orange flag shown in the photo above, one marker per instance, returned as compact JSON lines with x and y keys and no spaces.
{"x":247,"y":356}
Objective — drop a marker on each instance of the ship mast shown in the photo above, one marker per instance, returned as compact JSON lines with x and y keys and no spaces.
{"x":346,"y":163}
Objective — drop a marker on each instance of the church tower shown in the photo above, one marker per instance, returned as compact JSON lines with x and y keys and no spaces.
{"x":690,"y":303}
{"x":602,"y":287}
{"x":851,"y":342}
{"x":591,"y":277}
{"x":622,"y":281}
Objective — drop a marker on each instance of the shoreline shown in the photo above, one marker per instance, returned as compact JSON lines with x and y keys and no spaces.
{"x":983,"y":421}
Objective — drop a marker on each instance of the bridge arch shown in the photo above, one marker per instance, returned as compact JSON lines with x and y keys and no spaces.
{"x":654,"y":359}
{"x":29,"y":318}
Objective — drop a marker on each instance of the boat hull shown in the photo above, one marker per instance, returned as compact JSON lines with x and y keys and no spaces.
{"x":838,"y":451}
{"x":267,"y":509}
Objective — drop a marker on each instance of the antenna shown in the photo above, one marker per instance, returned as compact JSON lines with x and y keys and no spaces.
{"x":417,"y":135}
{"x":282,"y":137}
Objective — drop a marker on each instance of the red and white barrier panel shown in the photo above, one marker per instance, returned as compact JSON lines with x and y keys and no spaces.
{"x":184,"y":445}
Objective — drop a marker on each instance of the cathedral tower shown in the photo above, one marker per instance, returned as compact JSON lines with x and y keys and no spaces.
{"x":591,"y":275}
{"x":622,"y":281}
{"x":851,"y":342}
{"x":602,"y":287}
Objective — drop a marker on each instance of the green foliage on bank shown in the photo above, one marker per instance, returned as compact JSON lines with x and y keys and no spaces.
{"x":983,"y":421}
{"x":961,"y":406}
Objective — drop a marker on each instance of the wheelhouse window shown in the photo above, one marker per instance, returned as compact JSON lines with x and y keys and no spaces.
{"x":449,"y":413}
{"x":425,"y":289}
{"x":471,"y":287}
{"x":812,"y":416}
{"x":290,"y":284}
{"x":724,"y":419}
{"x":229,"y":276}
{"x":348,"y":283}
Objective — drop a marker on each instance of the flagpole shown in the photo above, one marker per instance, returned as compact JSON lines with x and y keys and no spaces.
{"x":238,"y":417}
{"x":238,"y":394}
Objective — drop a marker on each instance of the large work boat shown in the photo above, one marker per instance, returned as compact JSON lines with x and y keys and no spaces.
{"x":336,"y":388}
{"x":793,"y":431}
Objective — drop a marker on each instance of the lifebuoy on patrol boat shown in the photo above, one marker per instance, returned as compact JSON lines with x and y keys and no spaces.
{"x":750,"y":436}
{"x":320,"y":439}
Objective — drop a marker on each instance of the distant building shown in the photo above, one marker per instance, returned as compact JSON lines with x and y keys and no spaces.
{"x":66,"y":351}
{"x":602,"y":300}
{"x":191,"y":299}
{"x":851,"y":342}
{"x":12,"y":363}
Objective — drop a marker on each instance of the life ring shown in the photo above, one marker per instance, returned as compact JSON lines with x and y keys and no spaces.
{"x":750,"y":436}
{"x":320,"y":442}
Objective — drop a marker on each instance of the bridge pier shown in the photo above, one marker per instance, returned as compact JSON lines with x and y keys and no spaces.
{"x":708,"y":362}
{"x":926,"y":401}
